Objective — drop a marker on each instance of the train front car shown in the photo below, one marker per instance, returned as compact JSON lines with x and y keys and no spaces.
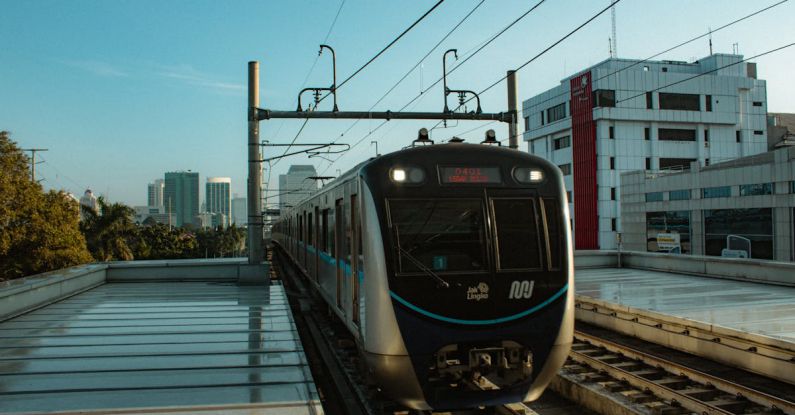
{"x":478,"y":274}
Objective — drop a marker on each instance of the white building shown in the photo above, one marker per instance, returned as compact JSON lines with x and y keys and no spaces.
{"x":296,"y":185}
{"x":744,"y":207}
{"x":154,"y":194}
{"x":218,"y":197}
{"x":88,"y":201}
{"x":623,"y":115}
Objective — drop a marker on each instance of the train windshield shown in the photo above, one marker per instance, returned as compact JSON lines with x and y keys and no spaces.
{"x":518,"y":243}
{"x":439,"y":235}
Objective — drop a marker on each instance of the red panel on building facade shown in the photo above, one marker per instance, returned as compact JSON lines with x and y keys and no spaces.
{"x":586,"y":219}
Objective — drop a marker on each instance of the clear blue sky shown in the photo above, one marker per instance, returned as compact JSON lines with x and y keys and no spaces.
{"x":123,"y":91}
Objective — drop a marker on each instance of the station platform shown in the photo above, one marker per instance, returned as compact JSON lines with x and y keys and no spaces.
{"x":158,"y":347}
{"x":749,"y":307}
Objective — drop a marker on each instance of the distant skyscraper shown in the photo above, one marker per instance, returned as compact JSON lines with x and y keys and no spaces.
{"x":240,"y":211}
{"x":181,"y":196}
{"x":218,"y":197}
{"x":296,"y":185}
{"x":155,"y":193}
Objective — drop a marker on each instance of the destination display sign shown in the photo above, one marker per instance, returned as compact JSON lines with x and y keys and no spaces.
{"x":470,"y":174}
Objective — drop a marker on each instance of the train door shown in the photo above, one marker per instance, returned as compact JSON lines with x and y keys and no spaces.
{"x":310,"y":244}
{"x":317,"y":244}
{"x":355,"y":256}
{"x":303,"y":238}
{"x":339,"y":234}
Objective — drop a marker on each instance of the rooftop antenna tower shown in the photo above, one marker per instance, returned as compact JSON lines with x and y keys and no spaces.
{"x":710,"y":41}
{"x":614,"y":43}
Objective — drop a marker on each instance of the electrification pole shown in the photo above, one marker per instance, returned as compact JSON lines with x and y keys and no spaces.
{"x":513,"y":125}
{"x":33,"y":161}
{"x":255,"y":252}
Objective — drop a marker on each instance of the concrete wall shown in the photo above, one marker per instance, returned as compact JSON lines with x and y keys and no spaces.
{"x":770,"y":272}
{"x":25,"y":294}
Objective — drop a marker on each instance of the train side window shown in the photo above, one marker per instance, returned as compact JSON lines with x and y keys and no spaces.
{"x":332,"y":224}
{"x":552,"y":218}
{"x":324,"y":231}
{"x":517,"y":234}
{"x":310,"y":230}
{"x":355,"y":260}
{"x":300,"y":228}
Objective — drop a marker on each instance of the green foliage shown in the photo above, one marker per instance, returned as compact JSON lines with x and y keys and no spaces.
{"x":110,"y":233}
{"x":159,"y":242}
{"x":38,"y":230}
{"x":219,"y":242}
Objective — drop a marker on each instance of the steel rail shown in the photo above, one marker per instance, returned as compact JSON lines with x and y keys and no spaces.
{"x":681,"y":397}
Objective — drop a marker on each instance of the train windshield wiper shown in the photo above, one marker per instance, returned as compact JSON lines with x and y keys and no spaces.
{"x":422,"y":267}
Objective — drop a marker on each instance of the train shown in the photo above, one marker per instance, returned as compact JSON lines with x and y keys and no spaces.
{"x":447,"y":263}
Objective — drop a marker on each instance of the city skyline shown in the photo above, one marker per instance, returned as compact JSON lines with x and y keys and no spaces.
{"x":137,"y":95}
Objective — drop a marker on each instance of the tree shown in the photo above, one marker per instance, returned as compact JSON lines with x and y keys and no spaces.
{"x":110,"y":233}
{"x":38,"y":230}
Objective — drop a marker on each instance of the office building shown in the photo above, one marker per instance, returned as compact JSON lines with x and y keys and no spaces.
{"x":623,"y":115}
{"x":155,"y":193}
{"x":240,"y":211}
{"x":181,"y":197}
{"x":296,"y":185}
{"x":741,"y":208}
{"x":88,"y":202}
{"x":218,"y":197}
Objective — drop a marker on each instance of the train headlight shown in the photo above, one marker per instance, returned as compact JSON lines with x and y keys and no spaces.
{"x":412,"y":175}
{"x":528,"y":175}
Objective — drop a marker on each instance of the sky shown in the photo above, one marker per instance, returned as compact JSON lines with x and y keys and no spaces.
{"x":121,"y":91}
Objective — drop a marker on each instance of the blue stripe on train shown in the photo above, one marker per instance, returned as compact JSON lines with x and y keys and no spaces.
{"x":346,"y":267}
{"x":477,"y":322}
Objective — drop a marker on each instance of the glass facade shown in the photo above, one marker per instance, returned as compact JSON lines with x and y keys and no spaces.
{"x":654,"y":197}
{"x":664,"y":228}
{"x":739,"y":230}
{"x":756,"y":189}
{"x":711,"y":192}
{"x":679,"y":194}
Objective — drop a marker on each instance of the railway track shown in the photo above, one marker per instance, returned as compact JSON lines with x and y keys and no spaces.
{"x":664,"y":386}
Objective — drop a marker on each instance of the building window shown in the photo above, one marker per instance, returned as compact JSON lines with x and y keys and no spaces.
{"x":649,"y":100}
{"x":558,"y":112}
{"x":612,"y":132}
{"x":565,"y":169}
{"x":679,"y":194}
{"x":612,"y":163}
{"x":706,"y":162}
{"x":758,"y":132}
{"x":736,"y":230}
{"x":713,"y":192}
{"x":613,"y":224}
{"x":647,"y":133}
{"x":654,"y":197}
{"x":668,"y":232}
{"x":676,"y":134}
{"x":706,"y":137}
{"x":675,"y":163}
{"x":612,"y":193}
{"x":708,"y":102}
{"x":756,"y":189}
{"x":561,"y":142}
{"x":684,"y":102}
{"x":527,"y":123}
{"x":604,"y":98}
{"x":664,"y":69}
{"x":568,"y":196}
{"x":757,"y":103}
{"x":737,"y":136}
{"x":648,"y":163}
{"x":542,"y":117}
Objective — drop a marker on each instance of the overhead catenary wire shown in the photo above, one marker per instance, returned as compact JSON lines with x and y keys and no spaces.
{"x":422,"y":93}
{"x":384,"y":49}
{"x":686,"y":42}
{"x":419,"y":62}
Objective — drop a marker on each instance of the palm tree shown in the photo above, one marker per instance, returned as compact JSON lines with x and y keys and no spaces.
{"x":110,"y":232}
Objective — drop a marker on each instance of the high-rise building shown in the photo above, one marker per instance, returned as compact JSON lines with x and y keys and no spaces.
{"x":240,"y":211}
{"x":218,"y":197}
{"x":296,"y":185}
{"x":88,"y":201}
{"x":622,"y":115}
{"x":181,"y":196}
{"x":155,"y":193}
